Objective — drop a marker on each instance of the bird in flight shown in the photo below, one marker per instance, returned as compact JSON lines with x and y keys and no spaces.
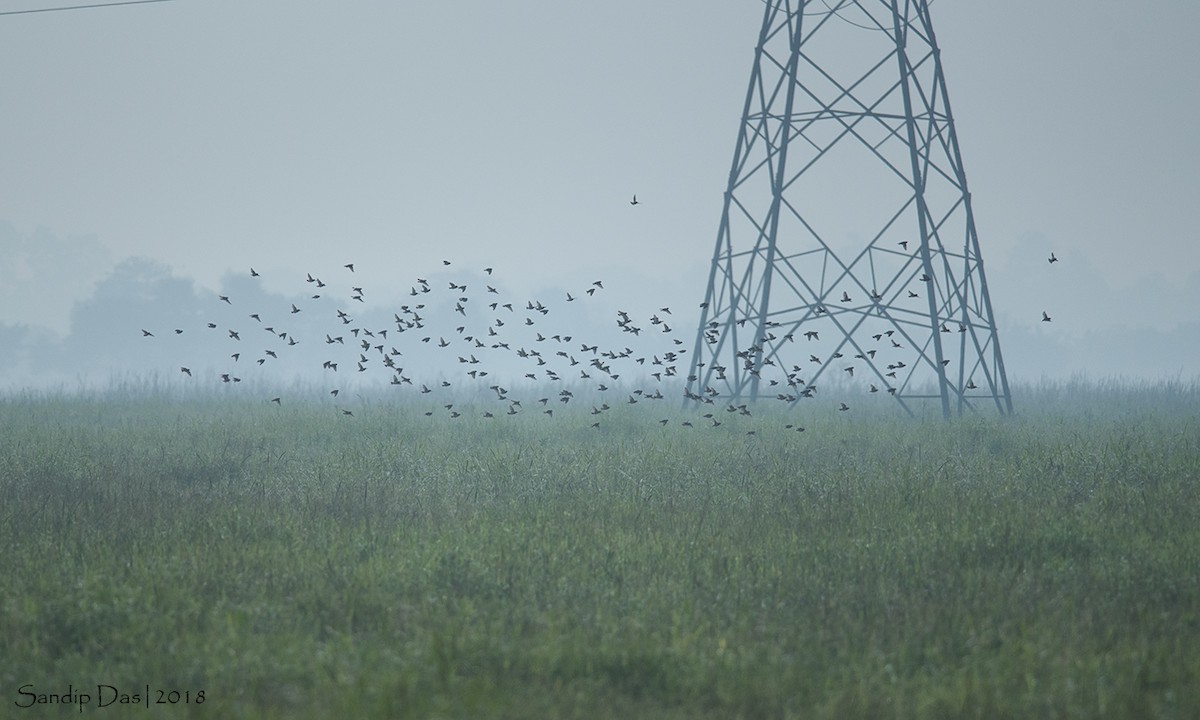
{"x":349,"y":266}
{"x":634,"y":201}
{"x":1045,"y":317}
{"x":1052,"y":259}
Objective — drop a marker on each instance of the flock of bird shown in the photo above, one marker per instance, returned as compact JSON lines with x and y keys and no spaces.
{"x":460,"y":332}
{"x":474,"y":336}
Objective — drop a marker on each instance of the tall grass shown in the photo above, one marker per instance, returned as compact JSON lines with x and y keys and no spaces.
{"x":295,"y":562}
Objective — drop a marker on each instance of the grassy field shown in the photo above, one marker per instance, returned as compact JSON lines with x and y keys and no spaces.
{"x":291,"y":562}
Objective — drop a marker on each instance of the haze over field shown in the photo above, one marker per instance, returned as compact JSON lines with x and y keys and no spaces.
{"x":153,"y":154}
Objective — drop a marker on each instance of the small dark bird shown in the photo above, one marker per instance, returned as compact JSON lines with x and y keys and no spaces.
{"x":253,"y":272}
{"x":445,"y":262}
{"x":185,"y":371}
{"x":225,"y":298}
{"x":349,"y":266}
{"x":347,"y":412}
{"x":634,"y":201}
{"x":147,"y":333}
{"x":488,"y":270}
{"x":845,"y":296}
{"x":904,"y":244}
{"x":295,"y":309}
{"x":1045,"y":317}
{"x":1052,"y":259}
{"x":277,"y":401}
{"x":844,"y":407}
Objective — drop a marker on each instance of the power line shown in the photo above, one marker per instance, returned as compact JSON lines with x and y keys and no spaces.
{"x":82,"y":7}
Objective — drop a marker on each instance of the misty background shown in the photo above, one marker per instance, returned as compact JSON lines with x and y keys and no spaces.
{"x":151,"y":155}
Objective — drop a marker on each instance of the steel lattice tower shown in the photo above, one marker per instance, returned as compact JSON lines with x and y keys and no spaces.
{"x":847,"y":238}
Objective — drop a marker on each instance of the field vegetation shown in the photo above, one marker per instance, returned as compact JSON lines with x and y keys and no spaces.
{"x":295,"y":562}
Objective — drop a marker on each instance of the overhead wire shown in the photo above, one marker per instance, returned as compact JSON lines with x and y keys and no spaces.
{"x":81,"y":7}
{"x":837,"y":11}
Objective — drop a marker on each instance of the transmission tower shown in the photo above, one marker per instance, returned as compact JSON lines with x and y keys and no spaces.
{"x":847,"y":251}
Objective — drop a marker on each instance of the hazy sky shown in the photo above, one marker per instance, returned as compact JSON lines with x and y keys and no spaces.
{"x":212,"y":135}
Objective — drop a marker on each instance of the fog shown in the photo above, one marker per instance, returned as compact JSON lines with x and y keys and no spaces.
{"x":154,"y":154}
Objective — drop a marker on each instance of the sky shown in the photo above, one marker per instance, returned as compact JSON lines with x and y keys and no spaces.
{"x":197,"y":138}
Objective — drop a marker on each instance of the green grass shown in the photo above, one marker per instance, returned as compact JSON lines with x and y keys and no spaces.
{"x":294,"y":563}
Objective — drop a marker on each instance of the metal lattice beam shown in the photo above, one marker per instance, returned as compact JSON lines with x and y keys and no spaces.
{"x":847,"y":221}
